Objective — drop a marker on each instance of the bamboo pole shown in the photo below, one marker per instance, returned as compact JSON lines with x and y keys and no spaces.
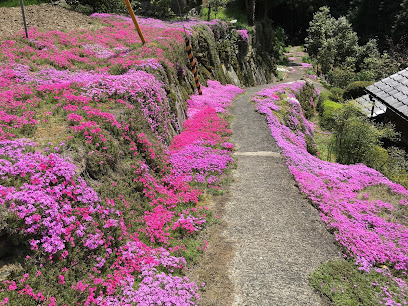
{"x":132,"y":14}
{"x":24,"y":19}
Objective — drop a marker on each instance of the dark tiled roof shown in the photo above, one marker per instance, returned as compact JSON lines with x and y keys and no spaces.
{"x":366,"y":105}
{"x":393,"y":92}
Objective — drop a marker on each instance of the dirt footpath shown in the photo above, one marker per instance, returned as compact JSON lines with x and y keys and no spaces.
{"x":44,"y":17}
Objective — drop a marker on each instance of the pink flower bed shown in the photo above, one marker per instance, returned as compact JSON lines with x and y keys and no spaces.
{"x":311,"y":76}
{"x":363,"y":227}
{"x":244,"y":35}
{"x":202,"y":150}
{"x":306,"y":65}
{"x":113,"y":232}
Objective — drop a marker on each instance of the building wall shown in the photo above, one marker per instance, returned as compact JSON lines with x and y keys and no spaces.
{"x":400,"y":124}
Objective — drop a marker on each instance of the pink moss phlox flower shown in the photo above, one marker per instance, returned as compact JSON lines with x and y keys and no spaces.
{"x":359,"y":224}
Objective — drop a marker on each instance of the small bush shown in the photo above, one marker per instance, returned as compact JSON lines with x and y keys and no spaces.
{"x":341,"y":77}
{"x":336,"y":94}
{"x":306,"y":98}
{"x":324,"y":95}
{"x":306,"y":59}
{"x":154,"y":8}
{"x":311,"y":146}
{"x":327,"y":120}
{"x":100,"y":6}
{"x":356,"y":138}
{"x":356,"y":89}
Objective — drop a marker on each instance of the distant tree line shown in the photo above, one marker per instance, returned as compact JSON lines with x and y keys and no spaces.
{"x":384,"y":20}
{"x":379,"y":19}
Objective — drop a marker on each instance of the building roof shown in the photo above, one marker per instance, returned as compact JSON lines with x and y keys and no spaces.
{"x":393,"y":92}
{"x":366,"y":106}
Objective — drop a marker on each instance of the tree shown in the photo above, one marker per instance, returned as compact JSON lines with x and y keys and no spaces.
{"x":356,"y":139}
{"x":216,"y":6}
{"x":250,"y":6}
{"x":333,"y":44}
{"x":374,"y":18}
{"x":320,"y":29}
{"x":400,"y":28}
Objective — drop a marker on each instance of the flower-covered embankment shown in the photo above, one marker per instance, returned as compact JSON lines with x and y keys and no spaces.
{"x":94,"y":207}
{"x":370,"y":230}
{"x":202,"y":152}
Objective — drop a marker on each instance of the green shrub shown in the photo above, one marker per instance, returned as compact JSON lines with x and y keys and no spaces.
{"x":100,"y":6}
{"x":327,"y":119}
{"x":336,"y":94}
{"x":306,"y":59}
{"x":339,"y":77}
{"x":356,"y":139}
{"x":154,"y":8}
{"x":356,"y":89}
{"x":311,"y":146}
{"x":393,"y":163}
{"x":306,"y":98}
{"x":324,"y":95}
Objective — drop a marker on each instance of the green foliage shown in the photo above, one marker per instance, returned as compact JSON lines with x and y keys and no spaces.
{"x":161,"y":8}
{"x":217,"y":5}
{"x":341,"y":77}
{"x":400,"y":28}
{"x":154,"y":8}
{"x":100,"y":6}
{"x":393,"y":163}
{"x":324,"y":95}
{"x":336,"y":94}
{"x":13,"y":3}
{"x":328,"y":109}
{"x":311,"y":146}
{"x":306,"y":98}
{"x":333,"y":44}
{"x":232,"y":11}
{"x":356,"y":89}
{"x":306,"y":59}
{"x":376,"y":18}
{"x":319,"y":28}
{"x":344,"y":284}
{"x":355,"y":138}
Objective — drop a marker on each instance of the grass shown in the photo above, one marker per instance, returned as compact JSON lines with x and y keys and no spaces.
{"x":344,"y":284}
{"x":383,"y":193}
{"x":231,"y":12}
{"x":323,"y":141}
{"x":13,"y":3}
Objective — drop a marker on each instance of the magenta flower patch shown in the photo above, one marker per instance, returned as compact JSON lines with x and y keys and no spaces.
{"x":361,"y":226}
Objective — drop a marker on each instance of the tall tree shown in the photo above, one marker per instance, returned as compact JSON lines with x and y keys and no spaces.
{"x":400,"y":28}
{"x":250,"y":6}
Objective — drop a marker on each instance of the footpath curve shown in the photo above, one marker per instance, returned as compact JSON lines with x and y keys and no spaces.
{"x":277,"y":235}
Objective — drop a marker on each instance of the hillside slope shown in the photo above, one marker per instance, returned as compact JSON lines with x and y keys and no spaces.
{"x":95,"y":206}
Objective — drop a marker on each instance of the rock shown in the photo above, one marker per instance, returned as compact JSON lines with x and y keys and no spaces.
{"x":7,"y":269}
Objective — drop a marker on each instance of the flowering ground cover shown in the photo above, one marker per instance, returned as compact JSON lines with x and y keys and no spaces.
{"x":95,"y":208}
{"x":366,"y":211}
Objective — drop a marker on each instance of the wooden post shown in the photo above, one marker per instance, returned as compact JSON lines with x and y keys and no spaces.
{"x":193,"y":65}
{"x":132,"y":14}
{"x":24,"y":19}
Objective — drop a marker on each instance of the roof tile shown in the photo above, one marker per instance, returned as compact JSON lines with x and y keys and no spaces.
{"x":392,"y":91}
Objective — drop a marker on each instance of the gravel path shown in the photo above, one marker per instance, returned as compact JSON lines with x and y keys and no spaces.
{"x":277,"y":235}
